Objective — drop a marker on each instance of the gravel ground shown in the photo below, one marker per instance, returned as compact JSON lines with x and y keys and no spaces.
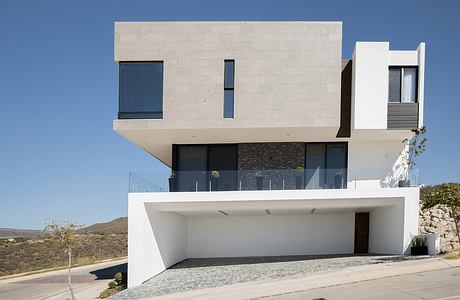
{"x":199,"y":273}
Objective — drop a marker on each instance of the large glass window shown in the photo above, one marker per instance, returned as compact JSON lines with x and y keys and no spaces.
{"x":140,"y":90}
{"x":206,"y":167}
{"x":191,"y":171}
{"x":229,"y":78}
{"x":222,"y":165}
{"x":315,"y":164}
{"x":326,"y":165}
{"x":336,"y":165}
{"x":403,"y":84}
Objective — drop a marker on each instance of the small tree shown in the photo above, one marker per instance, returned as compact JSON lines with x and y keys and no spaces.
{"x":65,"y":234}
{"x":445,"y":194}
{"x":415,"y":147}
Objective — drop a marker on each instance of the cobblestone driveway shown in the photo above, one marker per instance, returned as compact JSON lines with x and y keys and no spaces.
{"x":199,"y":273}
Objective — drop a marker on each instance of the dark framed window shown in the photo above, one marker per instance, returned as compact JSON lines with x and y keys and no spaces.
{"x":229,"y":89}
{"x":140,"y":90}
{"x":326,"y":165}
{"x":403,"y":84}
{"x":205,"y":167}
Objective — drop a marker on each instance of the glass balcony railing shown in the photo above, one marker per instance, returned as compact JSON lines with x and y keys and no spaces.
{"x":282,"y":179}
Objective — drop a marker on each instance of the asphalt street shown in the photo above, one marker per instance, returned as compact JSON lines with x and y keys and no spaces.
{"x":440,"y":285}
{"x":87,"y":283}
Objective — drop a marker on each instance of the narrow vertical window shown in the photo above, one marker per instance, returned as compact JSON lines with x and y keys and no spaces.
{"x":229,"y":78}
{"x":409,"y":94}
{"x":395,"y":85}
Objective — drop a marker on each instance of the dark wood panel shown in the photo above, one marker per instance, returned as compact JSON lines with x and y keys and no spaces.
{"x":361,"y":233}
{"x":345,"y":101}
{"x":402,"y":116}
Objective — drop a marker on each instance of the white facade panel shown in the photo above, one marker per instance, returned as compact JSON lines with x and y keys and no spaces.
{"x":376,"y":164}
{"x":370,"y":85}
{"x":270,"y":235}
{"x":165,"y":228}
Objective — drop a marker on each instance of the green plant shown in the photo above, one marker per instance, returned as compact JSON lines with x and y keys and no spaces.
{"x":415,"y":147}
{"x":299,"y":170}
{"x":418,"y":241}
{"x":119,"y":283}
{"x":259,"y":174}
{"x":215,"y":174}
{"x":121,"y":279}
{"x":109,"y":292}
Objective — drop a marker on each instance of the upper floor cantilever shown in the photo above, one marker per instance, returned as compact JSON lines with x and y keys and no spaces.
{"x":387,"y":88}
{"x":237,"y":82}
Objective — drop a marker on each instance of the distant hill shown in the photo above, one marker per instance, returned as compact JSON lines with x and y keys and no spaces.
{"x":32,"y":250}
{"x":13,"y":232}
{"x":117,"y":226}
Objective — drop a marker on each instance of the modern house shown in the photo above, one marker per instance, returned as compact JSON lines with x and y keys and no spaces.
{"x":277,"y":145}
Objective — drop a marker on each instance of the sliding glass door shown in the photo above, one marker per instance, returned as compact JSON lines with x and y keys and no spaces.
{"x":326,"y":165}
{"x":191,"y":172}
{"x":206,"y":167}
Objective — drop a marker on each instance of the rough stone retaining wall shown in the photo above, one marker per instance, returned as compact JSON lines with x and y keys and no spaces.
{"x":438,"y":220}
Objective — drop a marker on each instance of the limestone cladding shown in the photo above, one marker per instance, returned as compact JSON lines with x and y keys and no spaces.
{"x":439,"y":220}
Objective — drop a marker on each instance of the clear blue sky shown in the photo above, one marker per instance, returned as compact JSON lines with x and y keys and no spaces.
{"x":60,"y":159}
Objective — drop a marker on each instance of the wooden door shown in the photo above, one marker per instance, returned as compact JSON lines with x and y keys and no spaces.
{"x":361,"y":233}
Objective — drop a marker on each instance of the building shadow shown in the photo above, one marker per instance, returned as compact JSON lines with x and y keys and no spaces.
{"x":109,"y":272}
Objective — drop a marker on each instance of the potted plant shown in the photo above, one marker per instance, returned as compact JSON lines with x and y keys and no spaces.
{"x":299,"y":177}
{"x":338,"y":179}
{"x":172,"y":182}
{"x":412,"y":149}
{"x":214,"y":180}
{"x":418,"y":245}
{"x":259,"y":180}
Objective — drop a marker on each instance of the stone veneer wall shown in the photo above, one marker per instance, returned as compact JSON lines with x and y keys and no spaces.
{"x":438,"y":220}
{"x":277,"y":161}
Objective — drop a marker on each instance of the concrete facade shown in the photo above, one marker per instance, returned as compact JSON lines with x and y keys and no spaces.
{"x":290,"y":67}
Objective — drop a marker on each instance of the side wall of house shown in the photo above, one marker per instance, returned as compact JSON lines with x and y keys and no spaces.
{"x":156,"y":241}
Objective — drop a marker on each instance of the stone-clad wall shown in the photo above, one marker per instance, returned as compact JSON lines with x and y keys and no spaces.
{"x":277,"y":161}
{"x":438,"y":220}
{"x":287,"y":74}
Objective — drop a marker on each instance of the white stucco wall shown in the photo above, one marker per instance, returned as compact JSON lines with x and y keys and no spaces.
{"x":375,"y":164}
{"x":370,"y":85}
{"x":156,"y":241}
{"x":411,"y":209}
{"x":165,"y":228}
{"x":421,"y":83}
{"x":386,"y":230}
{"x":391,"y":228}
{"x":265,"y":235}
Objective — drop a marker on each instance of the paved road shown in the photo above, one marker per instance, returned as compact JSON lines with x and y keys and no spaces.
{"x":440,"y":284}
{"x":87,"y":282}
